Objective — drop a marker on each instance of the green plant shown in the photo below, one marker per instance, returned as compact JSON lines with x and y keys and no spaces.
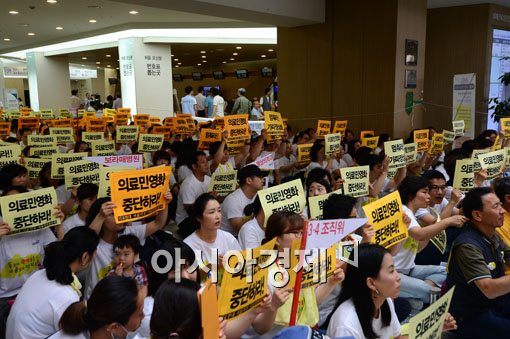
{"x":501,"y":107}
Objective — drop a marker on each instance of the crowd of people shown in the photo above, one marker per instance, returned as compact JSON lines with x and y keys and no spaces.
{"x":92,"y":277}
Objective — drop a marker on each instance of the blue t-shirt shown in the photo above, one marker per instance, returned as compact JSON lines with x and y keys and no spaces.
{"x":209,"y":105}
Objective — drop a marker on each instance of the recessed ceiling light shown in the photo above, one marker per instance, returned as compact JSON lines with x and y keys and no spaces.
{"x":171,"y":55}
{"x":51,"y":1}
{"x":179,"y":63}
{"x":232,"y":59}
{"x":7,"y":39}
{"x":116,"y":68}
{"x":239,"y":47}
{"x":199,"y":64}
{"x":108,"y":66}
{"x":13,"y":12}
{"x":59,"y":28}
{"x":84,"y":58}
{"x":176,"y":66}
{"x":98,"y":62}
{"x":30,"y":33}
{"x":133,"y":12}
{"x":82,"y":65}
{"x":270,"y":50}
{"x":223,"y":62}
{"x":92,"y":21}
{"x":108,"y":55}
{"x":234,"y":53}
{"x":204,"y":56}
{"x":23,"y":24}
{"x":263,"y":56}
{"x":203,"y":52}
{"x":98,"y":67}
{"x":176,"y":59}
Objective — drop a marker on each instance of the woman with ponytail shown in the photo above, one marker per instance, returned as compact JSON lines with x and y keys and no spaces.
{"x":47,"y":293}
{"x":251,"y":233}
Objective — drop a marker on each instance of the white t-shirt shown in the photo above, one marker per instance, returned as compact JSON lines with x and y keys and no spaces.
{"x":284,"y":161}
{"x":72,"y":222}
{"x":421,"y":212}
{"x":103,"y":260}
{"x":20,"y":256}
{"x":230,"y":165}
{"x":62,"y":194}
{"x":220,"y":104}
{"x":404,"y":259}
{"x":251,"y":234}
{"x":344,"y":322}
{"x":191,"y":189}
{"x":38,"y":307}
{"x":233,"y":207}
{"x":183,"y":172}
{"x":188,"y":104}
{"x":61,"y":335}
{"x":124,"y":150}
{"x":224,"y":242}
{"x":348,"y":159}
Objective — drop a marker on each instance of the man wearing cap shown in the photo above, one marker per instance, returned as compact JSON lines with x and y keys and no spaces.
{"x":251,"y":180}
{"x":242,"y":105}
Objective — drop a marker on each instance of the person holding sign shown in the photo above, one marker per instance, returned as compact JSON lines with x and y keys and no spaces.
{"x":14,"y":175}
{"x":48,"y":292}
{"x":221,"y":160}
{"x":318,"y":157}
{"x":479,"y":257}
{"x":418,"y":280}
{"x":86,"y":195}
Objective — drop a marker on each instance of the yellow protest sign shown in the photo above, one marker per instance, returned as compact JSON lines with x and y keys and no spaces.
{"x":458,"y":127}
{"x":154,"y":120}
{"x":90,"y":137}
{"x":163,"y":130}
{"x":80,"y":172}
{"x":316,"y":204}
{"x":304,"y":153}
{"x":498,"y":143}
{"x":370,"y":142}
{"x":60,"y":123}
{"x":64,"y":113}
{"x":107,"y":120}
{"x":410,"y":152}
{"x":429,"y":322}
{"x":104,"y":179}
{"x":223,"y":183}
{"x":103,"y":148}
{"x":235,"y":147}
{"x":366,"y":134}
{"x":395,"y":151}
{"x":333,"y":143}
{"x":43,"y":152}
{"x":142,"y":119}
{"x":31,"y":123}
{"x":493,"y":162}
{"x":64,"y":135}
{"x":9,"y":154}
{"x":237,"y":127}
{"x":148,"y":143}
{"x":207,"y":137}
{"x":209,"y":314}
{"x":34,"y":166}
{"x":108,"y":112}
{"x":41,"y":140}
{"x":437,"y":144}
{"x":504,"y":124}
{"x":122,"y":119}
{"x":448,"y":136}
{"x":47,"y":114}
{"x":356,"y":180}
{"x":89,"y":114}
{"x":31,"y":211}
{"x":124,"y":110}
{"x":95,"y":125}
{"x":25,"y":111}
{"x":81,"y":112}
{"x":385,"y":215}
{"x":5,"y":129}
{"x":273,"y":123}
{"x":439,"y":240}
{"x":289,"y":196}
{"x":126,"y":134}
{"x":58,"y":161}
{"x":463,"y":178}
{"x":139,"y":193}
{"x":421,"y":138}
{"x":180,"y":125}
{"x":340,"y":127}
{"x":241,"y":292}
{"x":476,"y":153}
{"x":323,"y":128}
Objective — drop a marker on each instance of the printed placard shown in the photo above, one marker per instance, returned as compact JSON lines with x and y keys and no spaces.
{"x":476,"y":153}
{"x":148,"y":143}
{"x":41,"y":140}
{"x":356,"y":180}
{"x":103,"y":148}
{"x":95,"y":125}
{"x":5,"y":129}
{"x":395,"y":151}
{"x":323,"y":128}
{"x":34,"y":166}
{"x":439,"y":240}
{"x":154,"y":120}
{"x":504,"y":124}
{"x":304,"y":153}
{"x":493,"y":162}
{"x":142,"y":119}
{"x":333,"y":143}
{"x":126,"y":134}
{"x":43,"y":152}
{"x":14,"y":114}
{"x":429,"y":322}
{"x":90,"y":137}
{"x":104,"y":179}
{"x":64,"y":135}
{"x":448,"y":136}
{"x":273,"y":123}
{"x":26,"y":111}
{"x":124,"y":110}
{"x":458,"y":127}
{"x":81,"y":112}
{"x":207,"y":137}
{"x":464,"y":176}
{"x":180,"y":125}
{"x":47,"y":114}
{"x":223,"y":183}
{"x":289,"y":196}
{"x":209,"y":314}
{"x":60,"y":123}
{"x":9,"y":154}
{"x":89,"y":114}
{"x":32,"y":123}
{"x":58,"y":161}
{"x":164,"y":130}
{"x":235,"y":147}
{"x":131,"y":160}
{"x":265,"y":162}
{"x":421,"y":138}
{"x":316,"y":204}
{"x":370,"y":142}
{"x":237,"y":127}
{"x":498,"y":143}
{"x":108,"y":112}
{"x":237,"y":294}
{"x":139,"y":193}
{"x":31,"y":211}
{"x":385,"y":216}
{"x":81,"y":172}
{"x":64,"y":113}
{"x":437,"y":143}
{"x":340,"y":127}
{"x":122,"y":119}
{"x":411,"y":152}
{"x":366,"y":134}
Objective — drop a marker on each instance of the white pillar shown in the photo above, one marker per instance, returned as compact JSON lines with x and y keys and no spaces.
{"x":49,"y":82}
{"x":2,"y":85}
{"x":146,"y":77}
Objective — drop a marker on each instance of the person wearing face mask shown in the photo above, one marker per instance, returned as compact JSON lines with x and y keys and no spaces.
{"x":47,"y":293}
{"x":114,"y":309}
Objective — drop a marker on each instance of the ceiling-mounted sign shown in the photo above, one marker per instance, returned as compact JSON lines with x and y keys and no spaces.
{"x":20,"y":71}
{"x":82,"y":73}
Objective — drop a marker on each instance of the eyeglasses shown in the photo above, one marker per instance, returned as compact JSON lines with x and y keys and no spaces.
{"x":437,"y":188}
